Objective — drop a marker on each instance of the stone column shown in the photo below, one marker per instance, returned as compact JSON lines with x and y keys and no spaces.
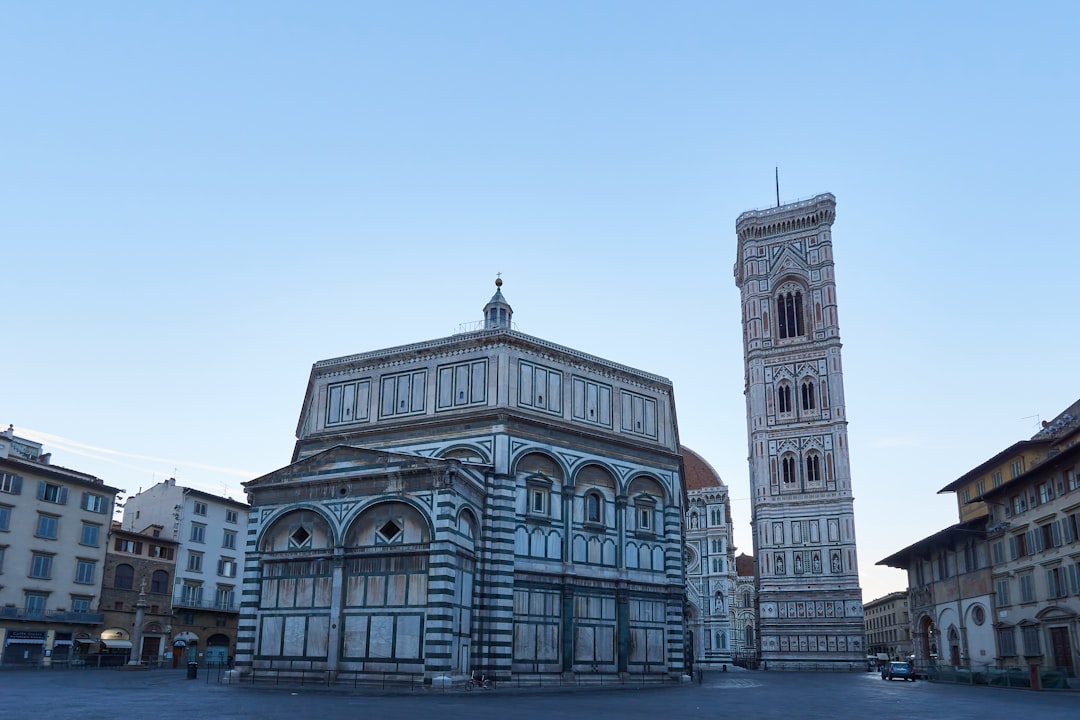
{"x":136,"y":631}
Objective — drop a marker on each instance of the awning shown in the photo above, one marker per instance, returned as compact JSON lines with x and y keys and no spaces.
{"x":118,"y":644}
{"x":179,"y":643}
{"x":26,"y":641}
{"x":86,"y":641}
{"x":58,"y":643}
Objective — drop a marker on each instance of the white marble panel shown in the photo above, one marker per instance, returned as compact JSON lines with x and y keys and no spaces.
{"x":408,"y":637}
{"x":395,"y":590}
{"x":294,"y":635}
{"x":354,"y":591}
{"x":382,"y":636}
{"x":287,"y":593}
{"x":318,"y":634}
{"x":356,"y":635}
{"x":418,"y":587}
{"x":268,"y":594}
{"x":270,"y":637}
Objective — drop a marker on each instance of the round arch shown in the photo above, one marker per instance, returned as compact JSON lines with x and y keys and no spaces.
{"x":537,"y":462}
{"x":466,"y":453}
{"x":388,"y":521}
{"x":646,"y":484}
{"x":278,"y":528}
{"x":468,"y":527}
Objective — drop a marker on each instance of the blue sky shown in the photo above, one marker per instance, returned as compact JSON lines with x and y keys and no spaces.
{"x":199,"y":200}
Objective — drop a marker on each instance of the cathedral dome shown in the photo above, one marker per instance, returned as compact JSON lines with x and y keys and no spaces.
{"x":699,"y":473}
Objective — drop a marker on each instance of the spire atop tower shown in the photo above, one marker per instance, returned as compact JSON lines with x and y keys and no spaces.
{"x":497,"y":313}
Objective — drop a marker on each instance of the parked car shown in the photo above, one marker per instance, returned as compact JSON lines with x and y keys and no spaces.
{"x":898,"y":670}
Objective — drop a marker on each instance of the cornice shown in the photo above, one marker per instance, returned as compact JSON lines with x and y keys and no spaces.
{"x":460,"y":344}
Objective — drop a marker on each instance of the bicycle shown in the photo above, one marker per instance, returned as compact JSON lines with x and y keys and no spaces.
{"x":479,"y":680}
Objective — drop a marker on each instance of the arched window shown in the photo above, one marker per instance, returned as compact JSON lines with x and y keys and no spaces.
{"x":813,"y":468}
{"x":746,"y":599}
{"x":124,"y":577}
{"x":808,"y":396}
{"x":594,"y":505}
{"x":789,"y":314}
{"x":783,"y":398}
{"x":159,"y":582}
{"x":750,"y":636}
{"x":787,"y":465}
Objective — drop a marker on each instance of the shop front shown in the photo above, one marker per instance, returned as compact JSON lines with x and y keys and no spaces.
{"x":23,"y":647}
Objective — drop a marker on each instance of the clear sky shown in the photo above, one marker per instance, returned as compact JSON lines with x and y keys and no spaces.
{"x":199,"y":200}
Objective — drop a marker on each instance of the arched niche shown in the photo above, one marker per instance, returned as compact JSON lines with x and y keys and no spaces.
{"x":647,"y":486}
{"x":596,"y":489}
{"x":388,"y":523}
{"x":464,"y":453}
{"x":300,"y":529}
{"x":468,"y":529}
{"x":537,"y":463}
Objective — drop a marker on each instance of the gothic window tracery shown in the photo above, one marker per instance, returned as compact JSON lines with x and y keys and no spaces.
{"x":787,"y":469}
{"x":783,"y":398}
{"x":789,"y":314}
{"x":808,"y":400}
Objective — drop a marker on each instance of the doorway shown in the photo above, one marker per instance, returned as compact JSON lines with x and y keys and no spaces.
{"x":1059,"y":640}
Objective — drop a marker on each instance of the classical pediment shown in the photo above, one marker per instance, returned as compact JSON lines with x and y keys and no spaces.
{"x":352,"y":461}
{"x":788,"y":261}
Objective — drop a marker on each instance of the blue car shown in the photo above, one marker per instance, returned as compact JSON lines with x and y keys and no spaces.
{"x":899,"y":671}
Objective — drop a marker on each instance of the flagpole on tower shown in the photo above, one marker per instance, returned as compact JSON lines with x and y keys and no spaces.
{"x":777,"y":186}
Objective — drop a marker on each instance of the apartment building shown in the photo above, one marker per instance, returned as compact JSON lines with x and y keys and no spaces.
{"x":136,"y":596}
{"x":205,"y":587}
{"x":888,"y":626}
{"x":54,"y":523}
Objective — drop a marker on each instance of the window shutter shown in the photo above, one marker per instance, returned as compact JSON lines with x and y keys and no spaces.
{"x":1013,"y":551}
{"x":41,"y":490}
{"x":16,"y":485}
{"x":61,"y":499}
{"x":1055,"y":534}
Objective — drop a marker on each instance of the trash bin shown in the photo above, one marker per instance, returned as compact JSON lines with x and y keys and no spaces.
{"x":192,"y":670}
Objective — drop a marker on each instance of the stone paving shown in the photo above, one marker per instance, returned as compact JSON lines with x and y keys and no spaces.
{"x":153,"y":695}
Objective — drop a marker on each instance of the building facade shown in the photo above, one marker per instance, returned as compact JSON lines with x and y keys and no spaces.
{"x":486,"y":501}
{"x":1001,"y":589}
{"x":710,"y":563}
{"x":205,"y":594}
{"x":139,"y":572}
{"x":54,"y":523}
{"x":888,"y":627}
{"x":1034,"y":536}
{"x":809,"y":600}
{"x":950,"y":597}
{"x":744,"y":613}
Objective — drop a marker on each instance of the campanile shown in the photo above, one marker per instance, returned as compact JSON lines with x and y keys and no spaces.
{"x":809,"y":600}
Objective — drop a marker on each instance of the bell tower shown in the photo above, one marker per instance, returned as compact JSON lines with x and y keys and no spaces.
{"x":809,"y":600}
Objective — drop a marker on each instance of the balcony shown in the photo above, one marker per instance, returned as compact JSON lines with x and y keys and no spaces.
{"x":187,"y":603}
{"x":52,"y":616}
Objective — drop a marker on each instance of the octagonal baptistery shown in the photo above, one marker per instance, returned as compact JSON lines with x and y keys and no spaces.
{"x":487,"y":501}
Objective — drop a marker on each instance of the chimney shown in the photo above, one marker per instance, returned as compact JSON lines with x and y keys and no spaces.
{"x":45,"y":459}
